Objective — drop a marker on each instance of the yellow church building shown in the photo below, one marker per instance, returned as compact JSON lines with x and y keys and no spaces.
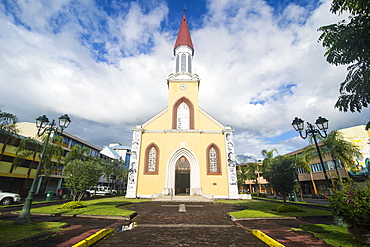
{"x":182,"y":150}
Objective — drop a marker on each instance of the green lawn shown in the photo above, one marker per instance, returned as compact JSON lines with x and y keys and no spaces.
{"x":257,"y":208}
{"x":334,"y":235}
{"x":104,"y":206}
{"x":10,"y":232}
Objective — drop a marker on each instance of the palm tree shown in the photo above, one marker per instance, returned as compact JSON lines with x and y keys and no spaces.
{"x":253,"y":173}
{"x":303,"y":161}
{"x":250,"y":171}
{"x":241,"y":176}
{"x":335,"y":146}
{"x":29,"y":147}
{"x":7,"y":129}
{"x":78,"y":153}
{"x":268,"y":159}
{"x":8,"y":121}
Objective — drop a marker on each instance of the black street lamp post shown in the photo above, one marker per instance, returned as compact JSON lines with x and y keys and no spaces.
{"x":322,"y":124}
{"x":42,"y":126}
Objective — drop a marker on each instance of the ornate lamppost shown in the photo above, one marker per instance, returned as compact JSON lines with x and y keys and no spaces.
{"x":322,"y":124}
{"x":42,"y":124}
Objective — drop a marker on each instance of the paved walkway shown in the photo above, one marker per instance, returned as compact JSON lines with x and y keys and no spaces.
{"x":197,"y":224}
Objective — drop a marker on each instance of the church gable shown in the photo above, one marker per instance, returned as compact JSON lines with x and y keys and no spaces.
{"x":159,"y":121}
{"x":207,"y":122}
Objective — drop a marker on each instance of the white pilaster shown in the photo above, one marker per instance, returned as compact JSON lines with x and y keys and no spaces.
{"x":231,"y":165}
{"x":134,"y":162}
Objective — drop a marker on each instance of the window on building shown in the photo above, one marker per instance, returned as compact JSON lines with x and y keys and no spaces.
{"x":213,"y":160}
{"x":301,"y":171}
{"x":183,"y":63}
{"x":189,"y":64}
{"x":177,"y":64}
{"x":321,"y":187}
{"x":151,"y":159}
{"x":339,"y":164}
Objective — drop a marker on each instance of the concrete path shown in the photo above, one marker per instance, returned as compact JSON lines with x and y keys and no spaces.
{"x":183,"y":224}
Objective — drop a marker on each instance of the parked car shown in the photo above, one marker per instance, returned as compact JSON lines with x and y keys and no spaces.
{"x":7,"y":198}
{"x":63,"y":193}
{"x":101,"y":191}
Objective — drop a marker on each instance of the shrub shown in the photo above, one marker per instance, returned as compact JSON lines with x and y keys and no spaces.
{"x":287,"y":208}
{"x":351,"y":201}
{"x":264,"y":195}
{"x":72,"y":205}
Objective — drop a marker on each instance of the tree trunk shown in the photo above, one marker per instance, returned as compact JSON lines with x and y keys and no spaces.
{"x":314,"y":185}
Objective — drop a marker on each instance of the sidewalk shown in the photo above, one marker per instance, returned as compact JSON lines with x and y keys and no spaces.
{"x":161,"y":224}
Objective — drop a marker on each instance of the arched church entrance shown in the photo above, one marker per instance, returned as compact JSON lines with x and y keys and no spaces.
{"x":182,"y":177}
{"x":182,"y":173}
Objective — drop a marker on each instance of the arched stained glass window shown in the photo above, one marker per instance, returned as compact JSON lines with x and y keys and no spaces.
{"x":183,"y":114}
{"x":213,"y":160}
{"x":151,"y":159}
{"x":183,"y":117}
{"x":182,"y":164}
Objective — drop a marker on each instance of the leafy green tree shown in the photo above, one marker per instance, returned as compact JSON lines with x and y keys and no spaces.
{"x":281,"y":175}
{"x":111,"y":168}
{"x":81,"y":175}
{"x":122,"y":174}
{"x":347,"y":43}
{"x":8,"y":121}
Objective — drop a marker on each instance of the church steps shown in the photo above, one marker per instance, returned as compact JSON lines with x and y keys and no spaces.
{"x":181,"y":199}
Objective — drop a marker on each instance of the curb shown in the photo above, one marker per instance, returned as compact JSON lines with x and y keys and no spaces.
{"x":260,"y":218}
{"x":114,"y":217}
{"x":94,"y":238}
{"x":265,"y":238}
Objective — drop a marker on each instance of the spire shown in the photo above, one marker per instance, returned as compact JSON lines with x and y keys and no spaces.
{"x":183,"y":37}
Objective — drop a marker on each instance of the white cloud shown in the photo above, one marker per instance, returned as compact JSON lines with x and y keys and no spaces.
{"x":258,"y":70}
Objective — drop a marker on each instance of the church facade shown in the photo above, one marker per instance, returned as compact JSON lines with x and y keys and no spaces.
{"x":182,"y":150}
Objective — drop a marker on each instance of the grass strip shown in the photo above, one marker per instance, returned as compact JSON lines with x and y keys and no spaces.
{"x":298,"y":203}
{"x":21,"y":204}
{"x":331,"y":234}
{"x":10,"y":232}
{"x":106,"y":206}
{"x":257,"y":208}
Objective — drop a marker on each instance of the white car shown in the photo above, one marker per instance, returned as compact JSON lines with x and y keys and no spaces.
{"x":101,"y":191}
{"x":7,"y":198}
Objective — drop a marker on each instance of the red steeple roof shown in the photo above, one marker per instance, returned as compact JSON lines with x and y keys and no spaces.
{"x":183,"y":37}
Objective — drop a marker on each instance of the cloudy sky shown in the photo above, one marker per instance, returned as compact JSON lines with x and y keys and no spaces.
{"x":105,"y":63}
